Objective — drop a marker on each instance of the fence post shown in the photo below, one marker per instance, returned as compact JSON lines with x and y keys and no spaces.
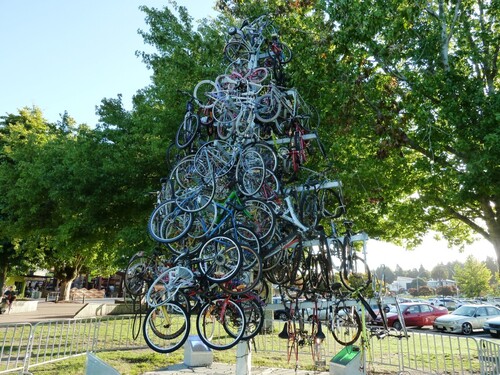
{"x":243,"y":358}
{"x":29,"y":350}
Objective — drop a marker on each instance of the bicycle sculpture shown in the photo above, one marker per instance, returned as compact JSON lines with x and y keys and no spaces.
{"x":228,"y":221}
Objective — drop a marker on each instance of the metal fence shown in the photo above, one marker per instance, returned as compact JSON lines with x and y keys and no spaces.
{"x":25,"y":346}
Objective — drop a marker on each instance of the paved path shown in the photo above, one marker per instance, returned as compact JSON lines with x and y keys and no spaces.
{"x":223,"y":369}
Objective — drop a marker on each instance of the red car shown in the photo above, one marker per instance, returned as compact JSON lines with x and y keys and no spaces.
{"x":415,"y":314}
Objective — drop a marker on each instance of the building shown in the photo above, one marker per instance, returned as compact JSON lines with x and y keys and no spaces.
{"x":400,"y":283}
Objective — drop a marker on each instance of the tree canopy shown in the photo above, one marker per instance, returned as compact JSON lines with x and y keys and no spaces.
{"x":408,"y":93}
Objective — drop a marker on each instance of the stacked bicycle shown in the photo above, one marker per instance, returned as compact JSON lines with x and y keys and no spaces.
{"x":241,"y":208}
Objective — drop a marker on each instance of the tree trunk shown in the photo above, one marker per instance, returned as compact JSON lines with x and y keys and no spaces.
{"x":3,"y":275}
{"x":65,"y":289}
{"x":66,"y":274}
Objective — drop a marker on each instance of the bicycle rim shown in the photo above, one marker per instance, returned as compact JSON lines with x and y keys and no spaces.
{"x":166,"y":328}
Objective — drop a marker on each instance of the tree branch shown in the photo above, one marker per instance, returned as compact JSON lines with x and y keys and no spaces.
{"x":469,"y":222}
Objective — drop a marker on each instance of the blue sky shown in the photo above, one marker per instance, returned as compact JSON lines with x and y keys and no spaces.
{"x":68,"y":55}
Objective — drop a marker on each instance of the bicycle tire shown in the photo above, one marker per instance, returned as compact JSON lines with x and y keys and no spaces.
{"x":187,"y":131}
{"x":267,"y":153}
{"x":257,"y":75}
{"x":163,"y":289}
{"x":135,"y":275}
{"x":247,"y":277}
{"x":254,"y":318}
{"x":245,"y":237}
{"x":196,"y":187}
{"x":355,"y":273}
{"x":172,"y":155}
{"x":235,"y":50}
{"x":212,"y":327}
{"x":267,"y":108}
{"x":345,"y":325}
{"x":259,"y":217}
{"x":166,"y":328}
{"x":220,"y":258}
{"x":206,"y":92}
{"x":218,"y":155}
{"x":168,"y":223}
{"x":250,"y":172}
{"x":309,"y":209}
{"x":331,"y":203}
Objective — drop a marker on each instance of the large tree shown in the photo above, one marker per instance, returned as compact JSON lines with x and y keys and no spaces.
{"x":65,"y":195}
{"x":409,"y":99}
{"x":473,"y":278}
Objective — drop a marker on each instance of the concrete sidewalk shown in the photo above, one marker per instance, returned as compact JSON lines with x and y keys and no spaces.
{"x":52,"y":311}
{"x":224,"y":369}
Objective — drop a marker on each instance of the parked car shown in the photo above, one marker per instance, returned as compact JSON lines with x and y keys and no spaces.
{"x":466,"y":318}
{"x":415,"y":314}
{"x":449,"y":303}
{"x":492,"y":326}
{"x":323,"y":310}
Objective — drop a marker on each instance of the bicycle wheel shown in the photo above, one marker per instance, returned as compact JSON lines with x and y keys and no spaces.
{"x":168,"y":223}
{"x":318,"y":272}
{"x":289,"y":268}
{"x":249,"y":275}
{"x":235,"y":50}
{"x":204,"y":222}
{"x":206,"y":93}
{"x":257,"y":75}
{"x":238,"y":68}
{"x":259,"y":217}
{"x":331,"y":203}
{"x":220,"y":324}
{"x":309,"y":209}
{"x":135,"y":275}
{"x":196,"y":187}
{"x":250,"y":172}
{"x":166,"y":328}
{"x":245,"y":237}
{"x":345,"y":325}
{"x":254,"y":316}
{"x":281,"y":52}
{"x":270,"y":189}
{"x":267,"y":153}
{"x":267,"y":108}
{"x":216,"y":155}
{"x":187,"y":130}
{"x":220,"y":258}
{"x":164,"y":288}
{"x":173,"y":154}
{"x":354,"y":272}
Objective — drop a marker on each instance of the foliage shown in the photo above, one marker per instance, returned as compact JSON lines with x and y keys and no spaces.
{"x":58,"y":194}
{"x":473,"y":278}
{"x":408,"y":94}
{"x":426,"y":291}
{"x":447,"y":290}
{"x":440,"y":272}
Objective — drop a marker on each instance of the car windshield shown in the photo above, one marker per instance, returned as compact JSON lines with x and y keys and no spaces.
{"x":465,"y":311}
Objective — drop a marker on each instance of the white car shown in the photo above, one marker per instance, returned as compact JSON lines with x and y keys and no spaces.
{"x":492,"y":326}
{"x":450,"y":303}
{"x":466,"y":318}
